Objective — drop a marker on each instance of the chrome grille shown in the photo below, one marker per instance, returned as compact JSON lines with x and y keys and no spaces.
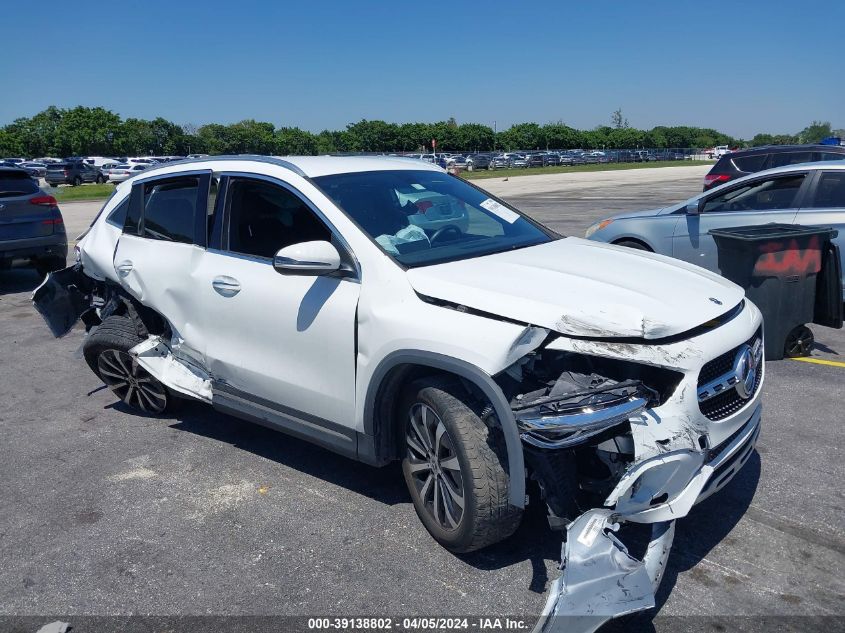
{"x":719,"y":391}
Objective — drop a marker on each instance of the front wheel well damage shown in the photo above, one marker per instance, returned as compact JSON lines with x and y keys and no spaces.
{"x":388,"y":419}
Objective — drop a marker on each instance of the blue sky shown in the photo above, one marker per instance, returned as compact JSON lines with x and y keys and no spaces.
{"x":741,"y":67}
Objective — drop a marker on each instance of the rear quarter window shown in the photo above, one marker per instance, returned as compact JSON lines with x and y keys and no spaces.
{"x":117,"y":217}
{"x":723,"y":166}
{"x":752,"y":163}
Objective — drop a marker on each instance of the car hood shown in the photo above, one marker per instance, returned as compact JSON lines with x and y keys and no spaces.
{"x":583,"y":288}
{"x":643,"y":214}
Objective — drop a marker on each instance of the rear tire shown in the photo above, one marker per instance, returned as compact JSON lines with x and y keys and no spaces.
{"x":455,"y":467}
{"x":634,"y":244}
{"x":106,"y":351}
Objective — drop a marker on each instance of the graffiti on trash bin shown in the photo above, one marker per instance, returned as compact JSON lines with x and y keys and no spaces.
{"x":781,"y":259}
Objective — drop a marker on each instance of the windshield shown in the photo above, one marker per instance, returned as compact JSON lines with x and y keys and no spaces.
{"x":428,"y":217}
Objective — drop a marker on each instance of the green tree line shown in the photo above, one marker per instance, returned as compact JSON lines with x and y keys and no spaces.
{"x":83,"y":131}
{"x":813,"y":133}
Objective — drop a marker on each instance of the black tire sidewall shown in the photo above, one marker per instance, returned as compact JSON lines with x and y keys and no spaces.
{"x":634,"y":245}
{"x":460,"y":538}
{"x":116,"y":332}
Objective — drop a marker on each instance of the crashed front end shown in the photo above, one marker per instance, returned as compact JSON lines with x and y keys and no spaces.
{"x":620,"y":432}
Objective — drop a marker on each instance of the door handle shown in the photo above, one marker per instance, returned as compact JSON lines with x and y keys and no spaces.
{"x":124,"y":267}
{"x":226,"y":286}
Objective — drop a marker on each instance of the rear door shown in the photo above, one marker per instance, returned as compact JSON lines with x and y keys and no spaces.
{"x":25,"y":212}
{"x":825,"y":206}
{"x":163,"y":239}
{"x":757,"y":201}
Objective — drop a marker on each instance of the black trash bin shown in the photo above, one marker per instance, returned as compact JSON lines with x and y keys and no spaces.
{"x":792,"y":273}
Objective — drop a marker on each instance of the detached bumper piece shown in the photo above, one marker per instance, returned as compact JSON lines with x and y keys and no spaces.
{"x":63,"y":298}
{"x":600,"y":580}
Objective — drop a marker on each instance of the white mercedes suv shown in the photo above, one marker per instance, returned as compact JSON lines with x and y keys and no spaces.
{"x":387,"y":310}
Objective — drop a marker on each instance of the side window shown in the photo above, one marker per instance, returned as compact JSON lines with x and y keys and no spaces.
{"x":831,"y":155}
{"x":117,"y":217}
{"x":830,"y":192}
{"x":761,"y":195}
{"x":264,"y":217}
{"x":791,"y":158}
{"x":752,"y":163}
{"x":169,"y":209}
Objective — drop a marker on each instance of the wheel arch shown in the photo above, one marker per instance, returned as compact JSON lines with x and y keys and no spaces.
{"x":618,"y":241}
{"x":399,"y":367}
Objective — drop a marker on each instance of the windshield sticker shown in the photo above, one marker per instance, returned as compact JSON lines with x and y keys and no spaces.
{"x":500,"y":210}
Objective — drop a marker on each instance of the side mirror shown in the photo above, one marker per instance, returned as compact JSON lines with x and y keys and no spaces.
{"x":307,"y":258}
{"x":695,"y":207}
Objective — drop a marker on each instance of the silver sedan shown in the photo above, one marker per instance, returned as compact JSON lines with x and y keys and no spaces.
{"x":125,"y":172}
{"x":807,"y":194}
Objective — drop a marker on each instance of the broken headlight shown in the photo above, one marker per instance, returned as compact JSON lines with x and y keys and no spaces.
{"x":576,"y":407}
{"x":561,"y":399}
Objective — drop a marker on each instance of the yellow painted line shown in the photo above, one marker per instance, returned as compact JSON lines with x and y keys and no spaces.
{"x":820,"y":361}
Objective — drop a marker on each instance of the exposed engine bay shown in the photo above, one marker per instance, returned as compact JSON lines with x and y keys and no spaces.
{"x":575,"y":414}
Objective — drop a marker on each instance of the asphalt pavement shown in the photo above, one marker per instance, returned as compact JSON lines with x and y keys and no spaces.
{"x":104,"y":511}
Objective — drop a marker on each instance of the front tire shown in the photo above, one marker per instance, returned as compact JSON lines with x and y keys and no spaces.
{"x":106,"y":351}
{"x":455,"y":468}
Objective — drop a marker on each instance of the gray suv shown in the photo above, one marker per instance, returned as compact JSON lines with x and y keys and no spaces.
{"x":73,"y":173}
{"x":32,"y":230}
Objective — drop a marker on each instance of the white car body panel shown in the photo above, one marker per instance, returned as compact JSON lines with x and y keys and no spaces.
{"x":283,"y":338}
{"x":583,"y":288}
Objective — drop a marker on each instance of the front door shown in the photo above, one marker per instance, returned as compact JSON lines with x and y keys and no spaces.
{"x":758,"y":201}
{"x":285,"y":341}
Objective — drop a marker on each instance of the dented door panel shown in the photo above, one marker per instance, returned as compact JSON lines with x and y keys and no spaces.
{"x":145,"y":268}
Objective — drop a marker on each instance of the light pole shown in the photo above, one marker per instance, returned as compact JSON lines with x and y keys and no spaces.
{"x":495,"y":131}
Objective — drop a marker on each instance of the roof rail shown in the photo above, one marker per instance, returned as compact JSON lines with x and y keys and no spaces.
{"x":273,"y":160}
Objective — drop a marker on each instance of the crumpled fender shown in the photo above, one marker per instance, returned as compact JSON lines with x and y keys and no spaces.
{"x":599,"y":579}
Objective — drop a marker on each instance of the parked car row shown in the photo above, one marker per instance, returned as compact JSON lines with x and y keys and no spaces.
{"x":547,"y":158}
{"x":76,"y":170}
